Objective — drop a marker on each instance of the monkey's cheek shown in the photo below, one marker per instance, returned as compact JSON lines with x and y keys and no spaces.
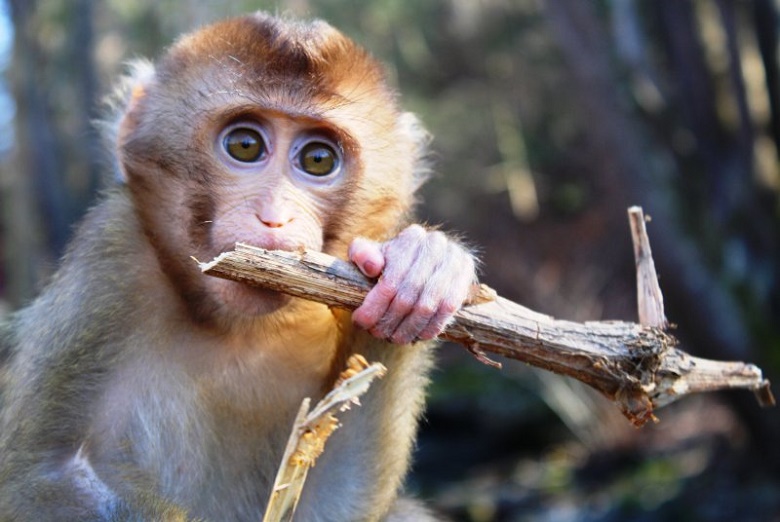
{"x":248,"y":301}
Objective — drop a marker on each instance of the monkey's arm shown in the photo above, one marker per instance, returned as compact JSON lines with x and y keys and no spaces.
{"x":60,"y":353}
{"x":425,"y":277}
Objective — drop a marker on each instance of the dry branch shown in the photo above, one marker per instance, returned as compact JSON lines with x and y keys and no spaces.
{"x":310,"y":432}
{"x":650,"y":301}
{"x":636,"y":366}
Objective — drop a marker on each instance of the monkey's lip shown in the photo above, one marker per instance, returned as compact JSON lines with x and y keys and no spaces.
{"x":246,"y":296}
{"x":265,"y":244}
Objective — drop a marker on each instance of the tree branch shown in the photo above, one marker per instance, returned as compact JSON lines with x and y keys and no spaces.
{"x":636,"y":366}
{"x":311,"y":430}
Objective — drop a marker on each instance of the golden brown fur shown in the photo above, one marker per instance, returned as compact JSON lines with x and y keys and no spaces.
{"x":135,"y":388}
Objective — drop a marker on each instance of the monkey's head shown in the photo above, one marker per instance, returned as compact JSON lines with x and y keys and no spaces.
{"x":276,"y":133}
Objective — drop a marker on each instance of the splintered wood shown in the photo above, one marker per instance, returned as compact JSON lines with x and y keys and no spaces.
{"x":310,"y":432}
{"x":637,"y":366}
{"x":650,"y":300}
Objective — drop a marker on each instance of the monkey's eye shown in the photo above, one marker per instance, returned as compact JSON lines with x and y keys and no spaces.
{"x":244,"y":144}
{"x":318,"y":159}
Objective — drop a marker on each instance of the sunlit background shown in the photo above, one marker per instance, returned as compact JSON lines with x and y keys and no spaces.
{"x":550,"y":118}
{"x":6,"y":102}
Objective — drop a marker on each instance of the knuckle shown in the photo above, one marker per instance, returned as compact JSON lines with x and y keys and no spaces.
{"x":377,"y":332}
{"x":387,"y":288}
{"x":398,"y":338}
{"x":404,"y":302}
{"x":425,"y":309}
{"x":428,"y":334}
{"x":448,"y":308}
{"x":438,"y":238}
{"x":412,"y":234}
{"x":363,"y":319}
{"x":414,"y":229}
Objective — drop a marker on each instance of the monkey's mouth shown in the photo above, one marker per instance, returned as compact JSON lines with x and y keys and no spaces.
{"x":265,"y":244}
{"x":249,"y":300}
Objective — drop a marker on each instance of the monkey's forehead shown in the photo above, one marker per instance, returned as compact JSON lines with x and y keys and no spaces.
{"x":248,"y":65}
{"x":261,"y":51}
{"x":303,"y":69}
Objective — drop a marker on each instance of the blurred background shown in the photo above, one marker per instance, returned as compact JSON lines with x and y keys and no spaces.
{"x":550,"y":119}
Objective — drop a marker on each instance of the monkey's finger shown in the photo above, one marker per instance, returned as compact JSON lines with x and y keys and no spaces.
{"x":449,"y":291}
{"x":367,"y":255}
{"x":399,"y":256}
{"x":415,"y":323}
{"x":405,"y":306}
{"x":393,"y":298}
{"x":374,"y":307}
{"x":437,"y":324}
{"x":423,"y":285}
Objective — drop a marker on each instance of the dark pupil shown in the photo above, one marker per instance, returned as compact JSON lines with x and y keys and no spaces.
{"x":244,"y":145}
{"x":318,"y":159}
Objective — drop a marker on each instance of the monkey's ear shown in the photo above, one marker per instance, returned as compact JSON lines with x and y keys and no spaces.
{"x":420,"y":140}
{"x":138,"y":92}
{"x":121,"y":104}
{"x":129,"y":122}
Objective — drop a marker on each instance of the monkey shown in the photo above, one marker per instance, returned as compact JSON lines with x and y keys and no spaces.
{"x":137,"y":388}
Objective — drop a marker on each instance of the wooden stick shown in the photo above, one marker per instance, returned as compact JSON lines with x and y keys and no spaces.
{"x":650,"y":300}
{"x":310,"y":432}
{"x":638,"y":367}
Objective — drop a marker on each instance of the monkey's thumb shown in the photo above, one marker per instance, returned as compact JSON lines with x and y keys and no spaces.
{"x":367,"y":255}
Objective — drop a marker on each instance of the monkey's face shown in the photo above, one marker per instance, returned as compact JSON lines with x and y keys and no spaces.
{"x":281,"y":137}
{"x":281,"y":180}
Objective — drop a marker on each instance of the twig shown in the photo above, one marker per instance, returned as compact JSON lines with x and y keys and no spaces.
{"x":310,"y":431}
{"x":650,"y":301}
{"x":638,"y":367}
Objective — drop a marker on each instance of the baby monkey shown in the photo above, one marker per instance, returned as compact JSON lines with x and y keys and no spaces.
{"x":137,"y":388}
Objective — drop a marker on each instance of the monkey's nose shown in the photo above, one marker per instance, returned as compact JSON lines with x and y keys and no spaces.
{"x":273,"y":221}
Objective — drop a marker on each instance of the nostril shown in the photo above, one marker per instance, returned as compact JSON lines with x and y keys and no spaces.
{"x":273,"y":222}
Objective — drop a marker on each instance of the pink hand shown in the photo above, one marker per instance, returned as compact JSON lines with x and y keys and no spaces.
{"x":425,"y":278}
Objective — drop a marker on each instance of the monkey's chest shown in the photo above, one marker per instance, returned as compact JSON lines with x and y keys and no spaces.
{"x":210,"y":439}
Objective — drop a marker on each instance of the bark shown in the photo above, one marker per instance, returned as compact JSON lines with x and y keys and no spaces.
{"x":638,"y":367}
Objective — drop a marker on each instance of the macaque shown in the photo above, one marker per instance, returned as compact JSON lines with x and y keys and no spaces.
{"x":136,"y":388}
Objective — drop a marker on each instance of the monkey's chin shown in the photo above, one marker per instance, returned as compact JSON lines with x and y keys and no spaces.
{"x":249,"y":301}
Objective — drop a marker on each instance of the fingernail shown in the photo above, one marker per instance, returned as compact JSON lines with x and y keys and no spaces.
{"x":371,"y":268}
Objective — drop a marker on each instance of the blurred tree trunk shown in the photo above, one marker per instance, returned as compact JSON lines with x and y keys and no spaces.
{"x":766,"y":20}
{"x":618,"y":144}
{"x":54,"y":169}
{"x":88,"y":150}
{"x":33,"y":160}
{"x":766,"y":23}
{"x":736,"y":217}
{"x":714,"y":325}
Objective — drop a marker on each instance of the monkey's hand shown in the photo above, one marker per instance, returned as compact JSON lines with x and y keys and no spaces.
{"x":424,"y":278}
